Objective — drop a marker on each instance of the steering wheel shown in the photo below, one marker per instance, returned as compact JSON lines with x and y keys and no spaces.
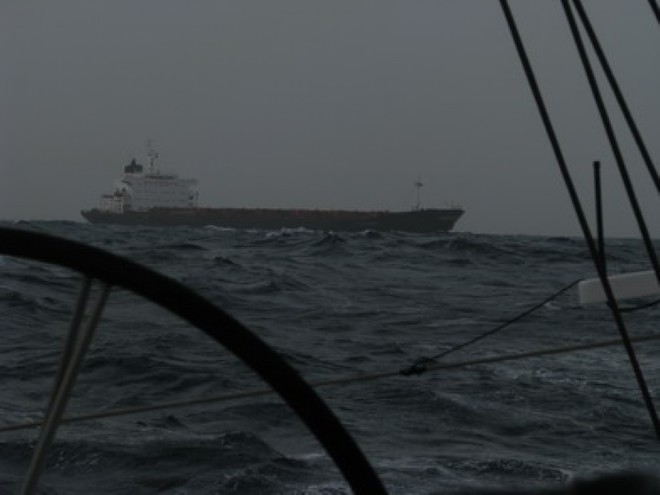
{"x":113,"y":270}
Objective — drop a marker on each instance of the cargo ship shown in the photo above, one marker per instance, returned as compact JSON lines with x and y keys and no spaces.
{"x":151,"y":198}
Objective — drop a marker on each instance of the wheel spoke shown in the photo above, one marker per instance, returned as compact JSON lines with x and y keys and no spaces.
{"x":76,"y":345}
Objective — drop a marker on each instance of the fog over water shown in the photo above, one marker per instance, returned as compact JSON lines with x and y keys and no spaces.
{"x":319,"y":104}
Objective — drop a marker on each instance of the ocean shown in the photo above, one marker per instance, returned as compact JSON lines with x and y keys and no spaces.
{"x":335,"y":306}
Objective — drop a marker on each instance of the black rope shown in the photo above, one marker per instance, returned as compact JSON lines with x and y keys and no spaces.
{"x":531,"y":79}
{"x":421,"y":364}
{"x":618,"y":94}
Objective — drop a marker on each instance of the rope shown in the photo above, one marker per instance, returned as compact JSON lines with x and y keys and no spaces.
{"x":337,"y":381}
{"x":534,"y":354}
{"x":493,"y":331}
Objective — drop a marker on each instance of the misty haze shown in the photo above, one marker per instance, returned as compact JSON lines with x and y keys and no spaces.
{"x":337,"y":105}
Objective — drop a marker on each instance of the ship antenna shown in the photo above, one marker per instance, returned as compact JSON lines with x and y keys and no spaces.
{"x":152,"y":154}
{"x":418,"y":187}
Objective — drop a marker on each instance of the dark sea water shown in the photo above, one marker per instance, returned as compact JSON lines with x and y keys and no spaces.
{"x":335,"y":305}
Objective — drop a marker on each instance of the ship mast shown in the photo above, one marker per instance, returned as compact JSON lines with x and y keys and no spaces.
{"x":152,"y":154}
{"x":418,"y":187}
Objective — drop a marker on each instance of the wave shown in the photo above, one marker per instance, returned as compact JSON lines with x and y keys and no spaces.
{"x":334,"y":305}
{"x":184,"y":246}
{"x":288,"y":232}
{"x":225,"y":261}
{"x":220,"y":229}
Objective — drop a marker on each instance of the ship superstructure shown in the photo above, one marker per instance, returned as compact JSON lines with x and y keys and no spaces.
{"x":142,"y":191}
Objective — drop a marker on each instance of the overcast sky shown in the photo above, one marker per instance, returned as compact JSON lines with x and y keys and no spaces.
{"x":320,"y":104}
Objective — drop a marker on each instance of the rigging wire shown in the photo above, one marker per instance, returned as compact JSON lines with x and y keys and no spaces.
{"x":618,"y":94}
{"x":577,"y":206}
{"x":655,"y":9}
{"x":611,"y":136}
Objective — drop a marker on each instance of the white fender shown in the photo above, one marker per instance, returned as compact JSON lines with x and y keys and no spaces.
{"x":624,"y":286}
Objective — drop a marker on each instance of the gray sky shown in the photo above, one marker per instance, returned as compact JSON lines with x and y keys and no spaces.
{"x":319,"y":104}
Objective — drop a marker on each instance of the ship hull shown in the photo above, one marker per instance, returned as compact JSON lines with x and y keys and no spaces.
{"x":426,"y":220}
